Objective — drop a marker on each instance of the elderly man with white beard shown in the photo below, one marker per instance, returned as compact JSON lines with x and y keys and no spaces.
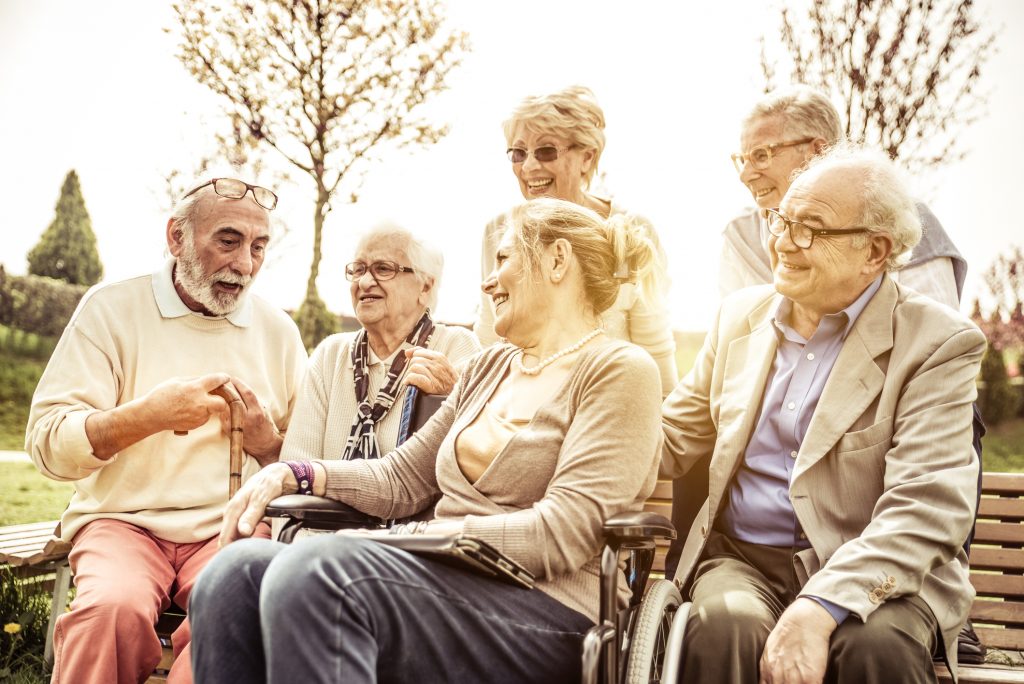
{"x":124,"y":411}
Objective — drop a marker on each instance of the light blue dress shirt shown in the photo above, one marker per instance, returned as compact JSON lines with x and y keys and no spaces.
{"x":758,"y":509}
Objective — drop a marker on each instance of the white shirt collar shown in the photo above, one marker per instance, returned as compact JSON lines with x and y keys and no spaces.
{"x":171,"y":306}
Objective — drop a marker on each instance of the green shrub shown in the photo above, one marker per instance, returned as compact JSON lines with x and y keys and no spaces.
{"x":36,"y":304}
{"x":24,"y":612}
{"x":997,"y":399}
{"x":315,"y":322}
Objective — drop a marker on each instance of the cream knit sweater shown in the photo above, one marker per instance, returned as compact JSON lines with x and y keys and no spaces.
{"x":591,"y":451}
{"x":120,"y":343}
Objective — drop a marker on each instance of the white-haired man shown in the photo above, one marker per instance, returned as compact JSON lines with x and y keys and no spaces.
{"x":124,"y":411}
{"x":835,"y":410}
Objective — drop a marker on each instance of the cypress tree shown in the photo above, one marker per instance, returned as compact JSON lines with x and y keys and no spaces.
{"x":67,"y":248}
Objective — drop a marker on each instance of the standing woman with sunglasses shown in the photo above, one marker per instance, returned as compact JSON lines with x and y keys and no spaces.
{"x":350,"y":404}
{"x":554,"y":144}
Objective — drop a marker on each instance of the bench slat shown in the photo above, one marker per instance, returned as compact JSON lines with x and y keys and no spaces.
{"x":1001,"y":638}
{"x":998,"y":533}
{"x":18,"y":531}
{"x":1009,"y":510}
{"x":982,"y":674}
{"x":999,"y":612}
{"x":1002,"y":483}
{"x":983,"y":558}
{"x":1001,"y":586}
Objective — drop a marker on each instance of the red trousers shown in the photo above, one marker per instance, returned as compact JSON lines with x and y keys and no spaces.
{"x":125,"y":577}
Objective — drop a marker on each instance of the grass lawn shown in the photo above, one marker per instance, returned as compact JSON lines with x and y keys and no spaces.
{"x":26,"y":496}
{"x":1003,"y":447}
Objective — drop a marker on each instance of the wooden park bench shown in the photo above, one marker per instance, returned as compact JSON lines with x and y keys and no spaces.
{"x":997,"y":573}
{"x":32,"y":550}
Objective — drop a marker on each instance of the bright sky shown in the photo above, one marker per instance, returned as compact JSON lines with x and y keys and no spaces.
{"x":95,"y":86}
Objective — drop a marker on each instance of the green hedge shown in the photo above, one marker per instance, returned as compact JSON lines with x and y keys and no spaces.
{"x":38,"y":305}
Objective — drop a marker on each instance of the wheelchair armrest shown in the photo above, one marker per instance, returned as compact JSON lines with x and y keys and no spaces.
{"x":638,"y":525}
{"x":320,"y":512}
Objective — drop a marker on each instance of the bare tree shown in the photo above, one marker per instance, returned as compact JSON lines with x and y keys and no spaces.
{"x":328,"y":84}
{"x":907,"y":71}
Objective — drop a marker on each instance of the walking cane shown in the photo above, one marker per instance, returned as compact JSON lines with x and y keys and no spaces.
{"x":229,"y":394}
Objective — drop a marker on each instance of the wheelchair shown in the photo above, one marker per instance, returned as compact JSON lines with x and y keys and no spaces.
{"x":631,"y":645}
{"x":640,"y":643}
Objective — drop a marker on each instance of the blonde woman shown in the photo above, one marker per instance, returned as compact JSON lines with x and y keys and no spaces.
{"x":542,"y":439}
{"x":554,"y":145}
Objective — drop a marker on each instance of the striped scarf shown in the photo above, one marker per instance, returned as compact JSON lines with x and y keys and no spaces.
{"x":362,"y":441}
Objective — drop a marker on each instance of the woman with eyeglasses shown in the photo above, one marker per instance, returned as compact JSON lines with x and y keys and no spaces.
{"x":554,"y":145}
{"x":540,"y":441}
{"x":351,"y":400}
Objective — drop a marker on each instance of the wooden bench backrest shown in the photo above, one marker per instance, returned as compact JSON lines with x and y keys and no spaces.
{"x":997,"y":562}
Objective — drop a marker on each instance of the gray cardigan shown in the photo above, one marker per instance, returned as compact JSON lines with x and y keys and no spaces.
{"x":591,"y":451}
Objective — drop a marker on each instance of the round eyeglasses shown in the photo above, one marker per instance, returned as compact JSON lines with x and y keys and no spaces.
{"x":380,"y":270}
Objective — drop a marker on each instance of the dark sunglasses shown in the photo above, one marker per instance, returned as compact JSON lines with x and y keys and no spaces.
{"x":233,"y":188}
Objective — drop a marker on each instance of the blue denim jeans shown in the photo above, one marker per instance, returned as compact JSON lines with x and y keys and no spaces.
{"x":346,"y":609}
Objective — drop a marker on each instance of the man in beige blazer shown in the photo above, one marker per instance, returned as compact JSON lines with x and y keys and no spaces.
{"x":836,"y":407}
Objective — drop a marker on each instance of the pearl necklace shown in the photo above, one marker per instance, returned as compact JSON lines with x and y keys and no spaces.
{"x":557,"y":355}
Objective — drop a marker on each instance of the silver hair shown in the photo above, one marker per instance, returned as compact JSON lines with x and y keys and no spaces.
{"x":806,"y":112}
{"x":185,"y":210}
{"x":425,"y":259}
{"x":886,"y":204}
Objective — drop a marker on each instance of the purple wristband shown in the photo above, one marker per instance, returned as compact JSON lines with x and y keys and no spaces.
{"x":303,"y":472}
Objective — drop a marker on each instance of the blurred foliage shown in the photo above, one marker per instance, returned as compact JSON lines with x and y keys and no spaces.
{"x":905,"y":71}
{"x":328,"y":84}
{"x":24,"y":611}
{"x":315,"y":321}
{"x":1004,"y":280}
{"x":37,"y":304}
{"x":998,"y":400}
{"x":67,"y":248}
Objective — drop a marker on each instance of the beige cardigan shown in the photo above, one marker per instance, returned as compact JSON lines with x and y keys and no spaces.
{"x":589,"y":453}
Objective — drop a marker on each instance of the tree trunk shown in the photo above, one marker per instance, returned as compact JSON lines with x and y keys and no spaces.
{"x":323,"y":207}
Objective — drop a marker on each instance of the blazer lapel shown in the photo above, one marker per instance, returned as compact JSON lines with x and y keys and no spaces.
{"x":746,"y":371}
{"x":855,"y":379}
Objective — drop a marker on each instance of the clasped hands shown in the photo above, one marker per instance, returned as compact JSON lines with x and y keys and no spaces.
{"x":186,"y":404}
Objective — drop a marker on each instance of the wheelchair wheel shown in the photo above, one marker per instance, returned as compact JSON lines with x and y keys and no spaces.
{"x":650,"y":633}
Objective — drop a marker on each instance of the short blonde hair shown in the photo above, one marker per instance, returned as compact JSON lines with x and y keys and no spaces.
{"x":610,"y":252}
{"x":571,"y":113}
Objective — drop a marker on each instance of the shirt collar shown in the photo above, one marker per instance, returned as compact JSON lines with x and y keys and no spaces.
{"x":171,"y":306}
{"x":838,"y":323}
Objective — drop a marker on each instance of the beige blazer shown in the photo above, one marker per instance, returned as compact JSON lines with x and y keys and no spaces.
{"x":884,"y":484}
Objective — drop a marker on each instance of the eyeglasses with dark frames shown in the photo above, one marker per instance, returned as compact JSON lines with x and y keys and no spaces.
{"x":760,"y":157}
{"x":380,"y":270}
{"x":802,"y":234}
{"x":544,"y":153}
{"x":232,"y":188}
